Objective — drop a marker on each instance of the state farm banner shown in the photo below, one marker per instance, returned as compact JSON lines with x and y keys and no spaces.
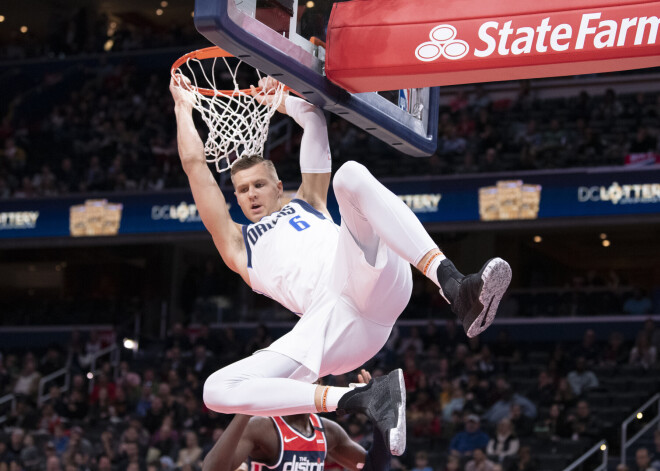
{"x":375,"y":45}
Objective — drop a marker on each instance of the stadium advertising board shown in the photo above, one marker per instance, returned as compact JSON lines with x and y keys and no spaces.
{"x":535,"y":195}
{"x":523,"y":196}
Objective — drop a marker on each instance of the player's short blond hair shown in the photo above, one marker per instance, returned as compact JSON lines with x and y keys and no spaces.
{"x":250,"y":161}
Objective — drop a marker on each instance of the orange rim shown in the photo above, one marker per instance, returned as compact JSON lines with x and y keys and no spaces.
{"x":207,"y":53}
{"x":211,"y":53}
{"x":317,"y":42}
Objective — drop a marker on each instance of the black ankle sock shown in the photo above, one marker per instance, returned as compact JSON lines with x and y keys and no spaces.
{"x":449,"y":278}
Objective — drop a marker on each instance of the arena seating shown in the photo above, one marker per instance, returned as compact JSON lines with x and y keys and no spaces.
{"x":92,"y":114}
{"x":622,"y":387}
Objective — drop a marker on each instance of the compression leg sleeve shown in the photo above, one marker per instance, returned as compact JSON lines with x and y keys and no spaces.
{"x":266,"y":384}
{"x":372,"y":212}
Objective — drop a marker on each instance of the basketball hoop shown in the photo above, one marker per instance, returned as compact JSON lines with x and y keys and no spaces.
{"x":237,"y":121}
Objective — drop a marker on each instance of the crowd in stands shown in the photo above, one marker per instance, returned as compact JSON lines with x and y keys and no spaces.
{"x":472,"y":405}
{"x":110,"y":127}
{"x":106,"y":124}
{"x":80,"y":31}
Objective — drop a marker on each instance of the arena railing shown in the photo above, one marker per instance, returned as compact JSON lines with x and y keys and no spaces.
{"x":638,"y":415}
{"x":4,"y":399}
{"x":600,"y":446}
{"x":113,"y":352}
{"x":43,"y":396}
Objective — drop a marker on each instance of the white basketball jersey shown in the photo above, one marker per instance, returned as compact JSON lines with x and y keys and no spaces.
{"x":289,"y":253}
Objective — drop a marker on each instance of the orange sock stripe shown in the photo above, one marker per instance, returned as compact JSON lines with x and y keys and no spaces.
{"x":428,"y":263}
{"x":320,"y":398}
{"x":325,"y":397}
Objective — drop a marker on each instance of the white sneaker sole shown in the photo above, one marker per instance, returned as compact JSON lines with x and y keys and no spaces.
{"x":496,"y":277}
{"x":398,"y":434}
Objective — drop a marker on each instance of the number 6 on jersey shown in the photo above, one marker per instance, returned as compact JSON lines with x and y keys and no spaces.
{"x":298,"y":224}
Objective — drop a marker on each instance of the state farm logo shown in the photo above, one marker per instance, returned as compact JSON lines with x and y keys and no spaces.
{"x":443,"y":43}
{"x":542,"y":34}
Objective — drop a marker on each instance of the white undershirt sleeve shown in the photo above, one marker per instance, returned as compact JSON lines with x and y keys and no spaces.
{"x":315,"y":154}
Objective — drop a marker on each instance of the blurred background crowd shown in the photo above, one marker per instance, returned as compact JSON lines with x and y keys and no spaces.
{"x":471,"y":404}
{"x":88,"y":110}
{"x":110,"y":127}
{"x":85,"y":110}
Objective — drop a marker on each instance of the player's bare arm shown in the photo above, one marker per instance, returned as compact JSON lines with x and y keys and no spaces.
{"x":315,"y":158}
{"x":245,"y":437}
{"x":341,"y":449}
{"x":209,"y":200}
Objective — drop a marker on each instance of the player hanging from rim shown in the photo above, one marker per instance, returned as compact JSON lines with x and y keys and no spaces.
{"x":348,"y":283}
{"x":281,"y":443}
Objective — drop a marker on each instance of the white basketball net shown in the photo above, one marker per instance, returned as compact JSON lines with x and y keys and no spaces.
{"x":237,"y":123}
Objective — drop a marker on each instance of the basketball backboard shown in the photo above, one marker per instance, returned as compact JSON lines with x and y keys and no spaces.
{"x":267,"y":35}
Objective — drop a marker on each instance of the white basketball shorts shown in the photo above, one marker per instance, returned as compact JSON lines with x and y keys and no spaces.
{"x":352,"y":316}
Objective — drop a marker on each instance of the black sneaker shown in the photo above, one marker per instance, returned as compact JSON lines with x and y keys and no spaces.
{"x":479,"y":294}
{"x":383,"y":400}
